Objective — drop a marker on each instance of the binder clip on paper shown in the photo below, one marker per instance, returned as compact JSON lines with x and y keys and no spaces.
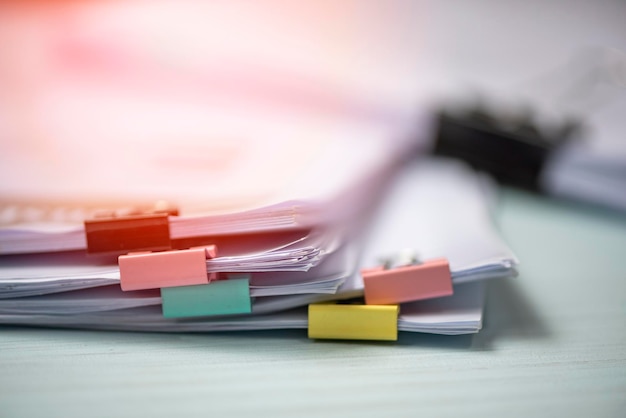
{"x":130,"y":230}
{"x":353,"y":322}
{"x":513,"y":147}
{"x":407,"y":280}
{"x":223,"y":297}
{"x":518,"y":141}
{"x":154,"y":270}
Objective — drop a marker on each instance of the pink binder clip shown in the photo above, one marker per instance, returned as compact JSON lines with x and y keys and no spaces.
{"x":154,"y":270}
{"x":384,"y":286}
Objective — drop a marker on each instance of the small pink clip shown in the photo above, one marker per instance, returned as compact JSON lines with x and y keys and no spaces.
{"x":431,"y":279}
{"x":154,"y":270}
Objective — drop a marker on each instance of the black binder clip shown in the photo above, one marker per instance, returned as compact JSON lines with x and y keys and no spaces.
{"x":513,"y":150}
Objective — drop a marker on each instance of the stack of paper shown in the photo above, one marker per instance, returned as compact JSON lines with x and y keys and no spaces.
{"x":436,"y":208}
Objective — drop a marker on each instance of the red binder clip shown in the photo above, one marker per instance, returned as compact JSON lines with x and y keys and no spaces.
{"x":385,"y":285}
{"x":128,"y":231}
{"x":155,"y":270}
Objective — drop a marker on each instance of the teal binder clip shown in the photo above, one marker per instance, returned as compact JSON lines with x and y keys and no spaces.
{"x":222,"y":297}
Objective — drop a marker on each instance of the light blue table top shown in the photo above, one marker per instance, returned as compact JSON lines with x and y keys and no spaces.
{"x":553,"y":344}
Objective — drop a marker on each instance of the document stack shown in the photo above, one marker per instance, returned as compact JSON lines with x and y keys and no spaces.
{"x":356,"y":276}
{"x":176,"y":168}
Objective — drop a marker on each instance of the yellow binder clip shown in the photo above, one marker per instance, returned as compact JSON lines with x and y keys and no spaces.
{"x":353,"y":322}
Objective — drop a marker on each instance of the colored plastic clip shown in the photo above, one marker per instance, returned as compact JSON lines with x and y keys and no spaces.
{"x":121,"y":235}
{"x":224,"y":297}
{"x":353,"y":322}
{"x":148,"y":270}
{"x":431,"y":279}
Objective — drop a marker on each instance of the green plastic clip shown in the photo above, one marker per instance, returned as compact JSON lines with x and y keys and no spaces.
{"x":224,"y":297}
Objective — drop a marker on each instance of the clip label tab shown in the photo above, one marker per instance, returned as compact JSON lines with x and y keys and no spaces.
{"x":223,"y":297}
{"x":429,"y":280}
{"x":353,"y":322}
{"x":125,"y":234}
{"x":139,"y":271}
